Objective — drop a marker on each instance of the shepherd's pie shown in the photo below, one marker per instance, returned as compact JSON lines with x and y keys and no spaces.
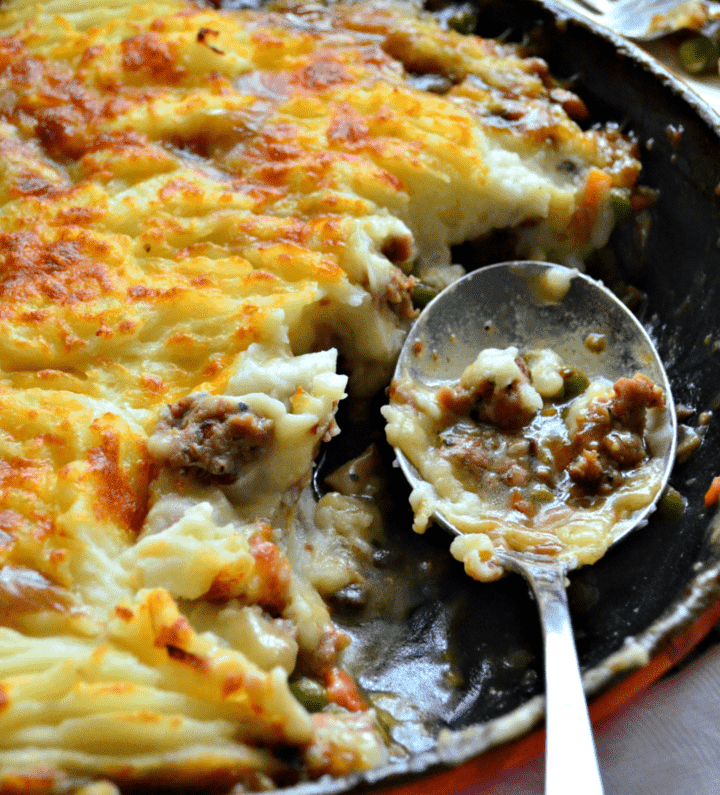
{"x":212,"y":224}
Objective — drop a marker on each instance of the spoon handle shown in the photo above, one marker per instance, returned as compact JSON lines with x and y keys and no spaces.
{"x":570,"y":760}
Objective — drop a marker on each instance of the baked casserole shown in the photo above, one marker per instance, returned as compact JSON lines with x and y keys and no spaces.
{"x":213,"y":224}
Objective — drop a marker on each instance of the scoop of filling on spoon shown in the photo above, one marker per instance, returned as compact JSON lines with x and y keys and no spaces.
{"x":526,"y":453}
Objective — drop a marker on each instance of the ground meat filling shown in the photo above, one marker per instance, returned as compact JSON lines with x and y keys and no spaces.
{"x":398,"y":296}
{"x":632,"y":397}
{"x":610,"y":436}
{"x":503,"y":445}
{"x":504,"y":408}
{"x":214,"y":436}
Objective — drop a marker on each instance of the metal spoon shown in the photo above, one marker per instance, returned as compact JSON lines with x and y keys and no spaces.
{"x":643,"y":20}
{"x":525,"y":304}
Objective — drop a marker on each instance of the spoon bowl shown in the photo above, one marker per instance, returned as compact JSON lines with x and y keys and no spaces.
{"x":534,"y":304}
{"x":549,"y":306}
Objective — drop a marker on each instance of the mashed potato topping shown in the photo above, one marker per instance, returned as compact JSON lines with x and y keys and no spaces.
{"x":211,"y":227}
{"x":526,"y":454}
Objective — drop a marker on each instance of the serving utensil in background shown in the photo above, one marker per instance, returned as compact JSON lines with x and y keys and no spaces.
{"x":644,"y":20}
{"x":650,"y":23}
{"x":446,"y":337}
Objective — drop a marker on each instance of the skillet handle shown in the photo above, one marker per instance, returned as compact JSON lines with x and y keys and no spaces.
{"x":571,"y":764}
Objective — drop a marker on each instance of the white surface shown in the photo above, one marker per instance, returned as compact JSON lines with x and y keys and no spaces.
{"x":667,"y":740}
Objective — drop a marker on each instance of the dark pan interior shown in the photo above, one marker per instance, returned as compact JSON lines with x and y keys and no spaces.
{"x":458,"y":652}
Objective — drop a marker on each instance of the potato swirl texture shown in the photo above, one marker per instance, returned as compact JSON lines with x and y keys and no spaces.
{"x":211,"y":226}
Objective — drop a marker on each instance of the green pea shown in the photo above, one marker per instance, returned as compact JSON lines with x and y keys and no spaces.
{"x":423,"y":294}
{"x":621,"y":209}
{"x":671,"y":504}
{"x":699,"y":54}
{"x":311,"y":694}
{"x":576,"y":384}
{"x":464,"y":21}
{"x":540,"y":493}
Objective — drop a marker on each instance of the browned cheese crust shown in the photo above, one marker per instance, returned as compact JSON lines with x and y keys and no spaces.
{"x":211,"y":226}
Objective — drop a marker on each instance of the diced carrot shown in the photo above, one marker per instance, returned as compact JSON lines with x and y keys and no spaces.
{"x":713,"y":493}
{"x":342,"y":690}
{"x":597,"y":185}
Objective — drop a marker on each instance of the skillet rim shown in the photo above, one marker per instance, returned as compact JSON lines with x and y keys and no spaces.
{"x":642,"y":658}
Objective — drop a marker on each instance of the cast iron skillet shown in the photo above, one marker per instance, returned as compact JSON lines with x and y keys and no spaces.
{"x":464,"y":659}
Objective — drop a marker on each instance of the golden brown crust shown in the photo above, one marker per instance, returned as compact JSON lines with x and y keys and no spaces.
{"x":197,"y":201}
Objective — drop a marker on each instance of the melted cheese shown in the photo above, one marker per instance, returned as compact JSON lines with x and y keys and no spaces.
{"x":496,"y":462}
{"x":197,"y":202}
